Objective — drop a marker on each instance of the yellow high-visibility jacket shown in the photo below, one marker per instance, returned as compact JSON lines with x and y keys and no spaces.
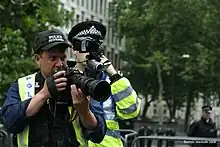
{"x":26,"y":91}
{"x":122,"y":104}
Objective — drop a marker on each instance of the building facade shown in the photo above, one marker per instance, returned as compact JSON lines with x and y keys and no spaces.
{"x":97,"y":10}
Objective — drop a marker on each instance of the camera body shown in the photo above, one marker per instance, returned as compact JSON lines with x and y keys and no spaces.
{"x":93,"y":47}
{"x":99,"y":90}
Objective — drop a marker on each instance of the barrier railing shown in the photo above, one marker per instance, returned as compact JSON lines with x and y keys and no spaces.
{"x":129,"y":133}
{"x":5,"y":138}
{"x":184,"y":139}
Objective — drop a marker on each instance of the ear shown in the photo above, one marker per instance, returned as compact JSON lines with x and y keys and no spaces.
{"x":37,"y":58}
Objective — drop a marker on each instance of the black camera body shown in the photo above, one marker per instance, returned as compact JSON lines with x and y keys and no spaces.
{"x":99,"y":90}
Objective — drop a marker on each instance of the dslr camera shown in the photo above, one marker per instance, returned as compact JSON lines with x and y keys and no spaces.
{"x":99,"y":90}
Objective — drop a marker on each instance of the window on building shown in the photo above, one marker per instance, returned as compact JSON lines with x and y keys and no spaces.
{"x":83,"y":14}
{"x":101,"y":6}
{"x":77,"y":18}
{"x":112,"y":56}
{"x":72,"y":0}
{"x":77,"y":2}
{"x":113,"y":36}
{"x":105,"y":10}
{"x":72,"y":9}
{"x":105,"y":50}
{"x":87,"y":19}
{"x":92,"y":5}
{"x":109,"y":9}
{"x":165,"y":111}
{"x":119,"y":41}
{"x":108,"y":33}
{"x":101,"y":20}
{"x":92,"y":17}
{"x":82,"y":3}
{"x":155,"y":111}
{"x":67,"y":24}
{"x":96,"y":6}
{"x":108,"y":55}
{"x":116,"y":61}
{"x":87,"y":4}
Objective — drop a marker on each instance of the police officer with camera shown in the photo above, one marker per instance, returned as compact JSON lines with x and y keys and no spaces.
{"x":32,"y":112}
{"x":87,"y":38}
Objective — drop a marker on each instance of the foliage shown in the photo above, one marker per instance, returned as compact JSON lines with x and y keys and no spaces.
{"x":162,"y":32}
{"x":19,"y":25}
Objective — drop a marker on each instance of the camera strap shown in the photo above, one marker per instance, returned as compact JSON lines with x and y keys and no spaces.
{"x":51,"y":85}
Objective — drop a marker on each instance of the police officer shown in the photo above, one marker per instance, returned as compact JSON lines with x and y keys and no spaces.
{"x":160,"y":132}
{"x":32,"y":114}
{"x":149,"y":132}
{"x":170,"y":132}
{"x":142,"y":132}
{"x":205,"y":127}
{"x":123,"y":102}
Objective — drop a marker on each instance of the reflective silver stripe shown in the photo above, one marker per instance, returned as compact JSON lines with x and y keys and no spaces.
{"x":113,"y":133}
{"x":123,"y":94}
{"x":109,"y":116}
{"x":108,"y":109}
{"x":131,"y":108}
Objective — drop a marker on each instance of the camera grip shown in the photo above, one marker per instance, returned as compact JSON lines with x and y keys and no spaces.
{"x":51,"y":85}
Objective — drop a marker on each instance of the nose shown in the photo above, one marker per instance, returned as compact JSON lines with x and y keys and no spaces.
{"x":59,"y":63}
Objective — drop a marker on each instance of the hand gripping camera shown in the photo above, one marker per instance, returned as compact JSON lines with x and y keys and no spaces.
{"x":98,"y":89}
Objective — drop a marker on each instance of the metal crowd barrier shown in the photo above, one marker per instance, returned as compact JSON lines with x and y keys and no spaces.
{"x":5,"y":138}
{"x":129,"y":133}
{"x":183,"y":139}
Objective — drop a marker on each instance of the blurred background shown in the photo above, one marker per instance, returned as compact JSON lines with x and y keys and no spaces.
{"x":169,"y":50}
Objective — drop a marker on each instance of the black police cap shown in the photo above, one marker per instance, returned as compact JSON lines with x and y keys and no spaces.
{"x":207,"y":108}
{"x":46,"y":40}
{"x":88,"y":28}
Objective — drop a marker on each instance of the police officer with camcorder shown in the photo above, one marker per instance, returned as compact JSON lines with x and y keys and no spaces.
{"x":87,"y":38}
{"x":52,"y":108}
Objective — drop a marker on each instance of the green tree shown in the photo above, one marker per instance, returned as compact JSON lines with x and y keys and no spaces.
{"x":20,"y":22}
{"x":160,"y":32}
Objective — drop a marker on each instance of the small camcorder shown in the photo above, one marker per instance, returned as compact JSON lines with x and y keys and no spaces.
{"x":93,"y":47}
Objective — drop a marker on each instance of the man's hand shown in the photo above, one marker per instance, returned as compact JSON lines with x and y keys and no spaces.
{"x":110,"y":69}
{"x":81,"y":104}
{"x":40,"y":98}
{"x":60,"y":82}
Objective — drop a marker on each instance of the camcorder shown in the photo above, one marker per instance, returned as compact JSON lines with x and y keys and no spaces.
{"x":93,"y":46}
{"x":99,"y":90}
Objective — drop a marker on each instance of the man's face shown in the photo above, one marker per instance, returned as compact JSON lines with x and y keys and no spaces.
{"x":80,"y":57}
{"x":206,"y":114}
{"x":51,"y":60}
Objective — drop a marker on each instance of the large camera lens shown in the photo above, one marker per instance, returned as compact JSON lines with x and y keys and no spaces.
{"x":98,"y":89}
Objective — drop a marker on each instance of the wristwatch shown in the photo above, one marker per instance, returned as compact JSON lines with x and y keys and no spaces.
{"x":116,"y":77}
